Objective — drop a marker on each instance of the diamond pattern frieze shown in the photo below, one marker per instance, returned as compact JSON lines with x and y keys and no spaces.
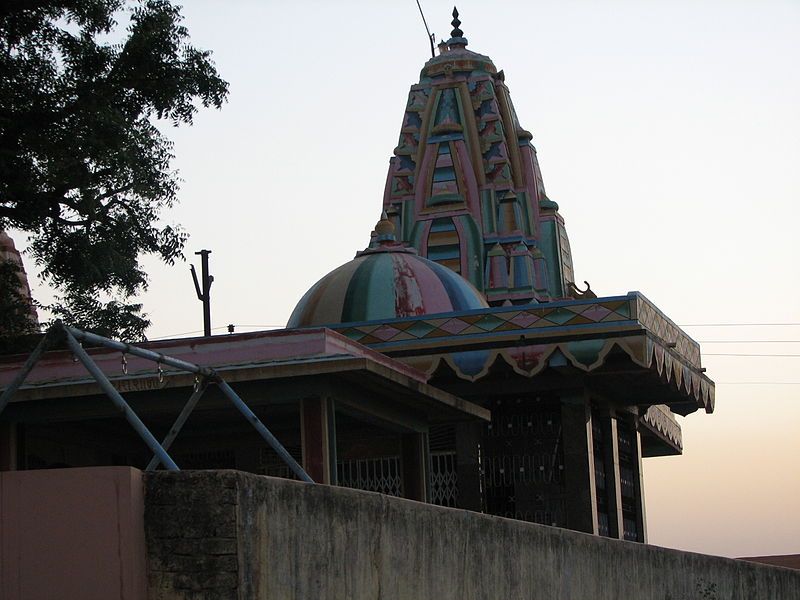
{"x":525,"y":319}
{"x":420,"y":329}
{"x":454,"y":326}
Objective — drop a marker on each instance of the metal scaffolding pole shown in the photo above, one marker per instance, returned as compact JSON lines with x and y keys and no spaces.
{"x":179,"y":422}
{"x":206,"y":374}
{"x":264,"y":432}
{"x":140,"y":352}
{"x":19,"y":378}
{"x":119,"y":401}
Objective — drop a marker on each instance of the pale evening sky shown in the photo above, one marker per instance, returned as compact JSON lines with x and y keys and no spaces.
{"x":668,"y":132}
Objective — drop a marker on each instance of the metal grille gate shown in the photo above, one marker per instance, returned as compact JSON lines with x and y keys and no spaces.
{"x":444,"y":479}
{"x":523,"y":464}
{"x":383,"y":475}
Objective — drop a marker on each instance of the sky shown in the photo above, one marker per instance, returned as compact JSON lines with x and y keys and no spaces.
{"x":668,"y":132}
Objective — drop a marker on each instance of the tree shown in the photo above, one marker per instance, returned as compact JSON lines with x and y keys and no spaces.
{"x":83,"y":168}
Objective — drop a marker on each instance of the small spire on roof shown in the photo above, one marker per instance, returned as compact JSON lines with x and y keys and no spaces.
{"x":384,"y":230}
{"x":456,"y":23}
{"x":457,"y":38}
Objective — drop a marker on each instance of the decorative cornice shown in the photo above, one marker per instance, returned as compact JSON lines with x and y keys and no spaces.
{"x":584,"y":332}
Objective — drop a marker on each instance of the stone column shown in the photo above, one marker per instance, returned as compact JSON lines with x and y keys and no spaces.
{"x":579,"y":478}
{"x":415,"y":455}
{"x":318,"y":439}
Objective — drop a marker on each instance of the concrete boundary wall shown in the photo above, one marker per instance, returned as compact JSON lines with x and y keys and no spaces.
{"x":228,"y":534}
{"x":72,"y":533}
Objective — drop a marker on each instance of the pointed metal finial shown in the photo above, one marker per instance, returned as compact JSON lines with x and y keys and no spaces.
{"x":456,"y":33}
{"x":457,"y":39}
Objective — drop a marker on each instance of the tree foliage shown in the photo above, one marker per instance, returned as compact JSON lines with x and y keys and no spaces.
{"x":83,"y":168}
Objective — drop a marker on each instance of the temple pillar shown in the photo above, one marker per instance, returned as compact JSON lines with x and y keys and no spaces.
{"x":468,"y":474}
{"x":613,"y":487}
{"x":318,"y":439}
{"x":641,"y":521}
{"x":579,"y":476}
{"x":630,"y":465}
{"x":414,"y":458}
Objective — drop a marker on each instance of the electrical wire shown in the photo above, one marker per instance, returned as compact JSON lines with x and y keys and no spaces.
{"x":764,"y":355}
{"x":172,"y":335}
{"x":739,"y":325}
{"x":748,"y":341}
{"x":757,"y":383}
{"x":175,"y":335}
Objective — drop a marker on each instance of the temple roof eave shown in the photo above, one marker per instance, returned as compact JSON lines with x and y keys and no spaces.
{"x":663,"y":435}
{"x":621,"y":343}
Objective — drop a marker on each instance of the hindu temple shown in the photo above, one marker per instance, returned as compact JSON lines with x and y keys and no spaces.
{"x":469,"y":279}
{"x":453,"y":361}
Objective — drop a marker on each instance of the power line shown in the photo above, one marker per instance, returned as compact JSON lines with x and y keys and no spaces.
{"x":739,"y":325}
{"x":171,"y":335}
{"x":757,"y":382}
{"x":748,"y":341}
{"x":767,"y":355}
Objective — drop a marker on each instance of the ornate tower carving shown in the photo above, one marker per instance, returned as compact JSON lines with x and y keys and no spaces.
{"x":464,"y":186}
{"x":10,"y":254}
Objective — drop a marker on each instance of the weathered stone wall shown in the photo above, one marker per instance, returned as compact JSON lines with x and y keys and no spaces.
{"x":191,"y":527}
{"x":226,"y":534}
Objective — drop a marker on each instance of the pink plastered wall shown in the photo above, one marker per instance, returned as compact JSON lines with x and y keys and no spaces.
{"x":72,"y":533}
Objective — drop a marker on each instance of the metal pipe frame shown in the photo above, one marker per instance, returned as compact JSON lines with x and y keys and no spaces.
{"x":157,"y":357}
{"x":19,"y":378}
{"x":241,"y":406}
{"x":179,"y":422}
{"x":263,"y":431}
{"x":119,"y":402}
{"x":159,"y":450}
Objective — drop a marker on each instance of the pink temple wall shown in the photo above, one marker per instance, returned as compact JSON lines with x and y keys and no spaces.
{"x":72,"y":533}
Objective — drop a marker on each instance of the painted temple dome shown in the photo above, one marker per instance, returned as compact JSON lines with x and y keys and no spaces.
{"x":386,"y":281}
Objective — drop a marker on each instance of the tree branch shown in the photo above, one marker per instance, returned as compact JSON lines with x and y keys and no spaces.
{"x":118,"y":191}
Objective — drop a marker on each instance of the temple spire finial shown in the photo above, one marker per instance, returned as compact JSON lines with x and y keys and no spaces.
{"x":384,"y":230}
{"x":456,"y":24}
{"x":457,"y":35}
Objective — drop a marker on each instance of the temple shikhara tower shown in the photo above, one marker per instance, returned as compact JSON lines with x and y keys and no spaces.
{"x":10,"y":254}
{"x":464,"y":186}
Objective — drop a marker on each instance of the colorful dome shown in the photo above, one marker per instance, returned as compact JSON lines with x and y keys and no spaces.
{"x":386,"y":281}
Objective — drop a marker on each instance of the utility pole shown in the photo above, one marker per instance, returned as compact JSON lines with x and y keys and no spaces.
{"x":204,"y":293}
